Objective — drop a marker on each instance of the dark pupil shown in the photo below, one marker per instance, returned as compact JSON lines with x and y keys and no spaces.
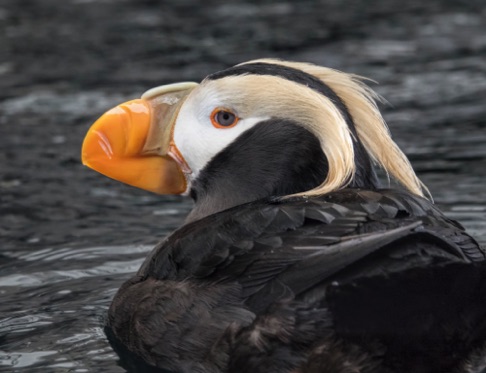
{"x":225,"y":118}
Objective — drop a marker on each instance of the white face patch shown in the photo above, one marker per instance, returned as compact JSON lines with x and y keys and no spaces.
{"x":195,"y":136}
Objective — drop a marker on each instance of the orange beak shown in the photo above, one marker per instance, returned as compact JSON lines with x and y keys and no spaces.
{"x":132,"y":142}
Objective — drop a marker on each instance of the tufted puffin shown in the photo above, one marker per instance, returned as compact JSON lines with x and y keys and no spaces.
{"x":294,"y":259}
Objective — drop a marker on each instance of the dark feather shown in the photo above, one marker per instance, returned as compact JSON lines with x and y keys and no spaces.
{"x":354,"y":278}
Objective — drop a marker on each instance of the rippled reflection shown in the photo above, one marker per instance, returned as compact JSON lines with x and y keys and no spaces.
{"x":54,"y":303}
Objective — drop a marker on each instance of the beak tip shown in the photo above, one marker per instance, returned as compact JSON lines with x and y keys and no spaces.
{"x":84,"y":161}
{"x":91,"y":148}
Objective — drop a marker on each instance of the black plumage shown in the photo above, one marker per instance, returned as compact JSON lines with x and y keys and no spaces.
{"x":377,"y":279}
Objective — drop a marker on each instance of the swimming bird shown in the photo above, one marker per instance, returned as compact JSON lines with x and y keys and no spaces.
{"x":294,"y":258}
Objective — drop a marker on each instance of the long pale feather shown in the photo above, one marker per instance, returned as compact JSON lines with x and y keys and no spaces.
{"x":371,"y":128}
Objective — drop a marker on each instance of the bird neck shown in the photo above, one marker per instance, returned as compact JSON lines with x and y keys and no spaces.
{"x":277,"y":157}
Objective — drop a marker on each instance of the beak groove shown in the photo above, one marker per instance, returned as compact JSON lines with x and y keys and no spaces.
{"x":104,"y":144}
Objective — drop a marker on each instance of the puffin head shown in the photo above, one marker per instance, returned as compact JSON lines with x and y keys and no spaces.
{"x":259,"y":129}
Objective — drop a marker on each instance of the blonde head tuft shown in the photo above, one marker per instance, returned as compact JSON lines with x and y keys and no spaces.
{"x":371,"y":129}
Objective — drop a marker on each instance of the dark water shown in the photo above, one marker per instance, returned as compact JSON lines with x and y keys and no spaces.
{"x":69,"y":238}
{"x":54,"y":300}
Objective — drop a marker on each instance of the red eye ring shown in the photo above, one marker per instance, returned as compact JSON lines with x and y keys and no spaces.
{"x":223,"y":118}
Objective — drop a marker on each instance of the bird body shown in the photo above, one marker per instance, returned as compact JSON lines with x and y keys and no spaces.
{"x":294,"y":258}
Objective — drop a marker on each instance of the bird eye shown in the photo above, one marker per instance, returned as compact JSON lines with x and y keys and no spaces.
{"x":223,"y":118}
